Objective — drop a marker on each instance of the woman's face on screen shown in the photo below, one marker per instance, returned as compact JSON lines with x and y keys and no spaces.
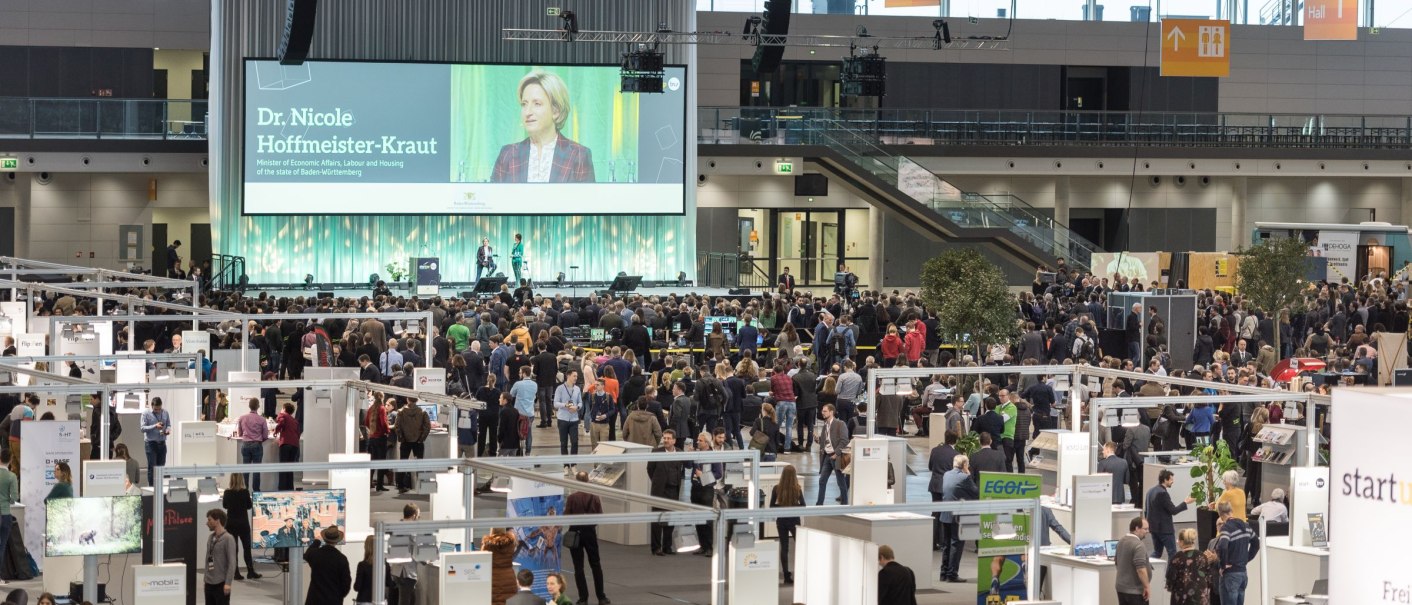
{"x":536,"y":112}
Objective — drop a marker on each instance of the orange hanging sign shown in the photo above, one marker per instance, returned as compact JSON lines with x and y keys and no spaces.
{"x":1196,"y":48}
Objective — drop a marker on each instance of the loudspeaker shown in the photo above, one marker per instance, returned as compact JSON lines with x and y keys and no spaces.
{"x":490,"y":285}
{"x":298,"y":31}
{"x":325,"y":294}
{"x":76,"y":592}
{"x":1402,"y":378}
{"x":775,"y":22}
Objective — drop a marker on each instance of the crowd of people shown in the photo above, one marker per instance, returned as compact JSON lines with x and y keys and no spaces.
{"x":787,"y":372}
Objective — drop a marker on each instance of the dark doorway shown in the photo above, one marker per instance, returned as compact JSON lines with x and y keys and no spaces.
{"x":7,"y":231}
{"x":159,"y":250}
{"x":159,"y":83}
{"x":1084,"y":94}
{"x":200,"y":243}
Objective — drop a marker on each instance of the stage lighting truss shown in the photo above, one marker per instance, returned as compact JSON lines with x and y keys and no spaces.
{"x":753,"y":37}
{"x":643,"y":68}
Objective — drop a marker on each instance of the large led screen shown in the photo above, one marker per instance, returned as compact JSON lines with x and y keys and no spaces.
{"x":336,"y":137}
{"x":93,"y":526}
{"x":288,"y":519}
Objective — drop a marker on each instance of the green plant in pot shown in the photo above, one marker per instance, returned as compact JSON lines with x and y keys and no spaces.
{"x":1211,"y":462}
{"x":968,"y":444}
{"x":395,"y":270}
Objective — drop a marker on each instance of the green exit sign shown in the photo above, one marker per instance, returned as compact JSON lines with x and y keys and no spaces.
{"x":784,"y":167}
{"x":9,"y":163}
{"x":552,"y":11}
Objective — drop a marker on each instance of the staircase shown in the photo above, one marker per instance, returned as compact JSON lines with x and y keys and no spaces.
{"x":965,"y":215}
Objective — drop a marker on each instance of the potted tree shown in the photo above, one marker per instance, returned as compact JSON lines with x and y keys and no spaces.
{"x":1212,"y":461}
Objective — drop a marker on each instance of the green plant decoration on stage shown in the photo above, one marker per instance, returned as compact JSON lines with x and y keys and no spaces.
{"x":974,"y":306}
{"x":1212,"y":461}
{"x":1271,"y":276}
{"x":396,"y":270}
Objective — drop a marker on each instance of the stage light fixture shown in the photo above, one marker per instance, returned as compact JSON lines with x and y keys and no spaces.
{"x":643,"y":69}
{"x":571,"y":21}
{"x":373,"y":280}
{"x":559,"y":280}
{"x":681,"y":279}
{"x":864,"y":73}
{"x":943,"y":33}
{"x":308,"y":280}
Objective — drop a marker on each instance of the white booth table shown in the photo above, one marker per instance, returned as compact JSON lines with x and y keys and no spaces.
{"x":228,"y":452}
{"x":438,"y":444}
{"x":631,"y":476}
{"x":1090,"y":581}
{"x":1121,"y":515}
{"x":909,"y":535}
{"x":1293,"y":569}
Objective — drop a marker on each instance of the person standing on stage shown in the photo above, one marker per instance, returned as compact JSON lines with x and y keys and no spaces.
{"x":517,"y":256}
{"x":485,"y":258}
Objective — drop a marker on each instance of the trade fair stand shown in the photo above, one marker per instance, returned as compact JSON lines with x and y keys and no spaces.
{"x":15,"y":267}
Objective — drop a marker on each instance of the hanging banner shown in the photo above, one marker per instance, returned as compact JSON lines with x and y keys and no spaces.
{"x":179,"y":539}
{"x":1340,"y":247}
{"x":539,"y":546}
{"x":1330,"y":19}
{"x":1000,"y":577}
{"x":1196,"y":48}
{"x":43,"y":444}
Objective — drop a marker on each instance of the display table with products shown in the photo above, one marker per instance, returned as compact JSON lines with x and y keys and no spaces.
{"x":1091,"y":580}
{"x":1061,"y":455}
{"x":909,"y":535}
{"x":1282,"y":447}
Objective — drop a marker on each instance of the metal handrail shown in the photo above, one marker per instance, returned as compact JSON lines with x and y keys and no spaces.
{"x":904,"y":126}
{"x":102,"y":118}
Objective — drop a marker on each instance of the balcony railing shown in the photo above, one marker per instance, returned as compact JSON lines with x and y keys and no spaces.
{"x":57,"y":118}
{"x":767,"y":125}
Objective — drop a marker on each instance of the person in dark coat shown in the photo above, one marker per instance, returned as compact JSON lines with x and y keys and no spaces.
{"x":329,"y":578}
{"x":896,"y":584}
{"x":939,"y":463}
{"x":666,"y":483}
{"x":509,"y":429}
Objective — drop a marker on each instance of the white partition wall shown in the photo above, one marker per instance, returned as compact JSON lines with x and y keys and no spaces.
{"x":1309,"y":495}
{"x":869,"y":479}
{"x":355,"y":484}
{"x":449,"y":504}
{"x":754,"y":574}
{"x":1093,"y":509}
{"x":465,"y":578}
{"x":159,"y":584}
{"x":828,"y":570}
{"x":1370,"y":523}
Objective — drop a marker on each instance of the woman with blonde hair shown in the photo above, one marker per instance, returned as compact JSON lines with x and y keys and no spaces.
{"x":1191,"y":574}
{"x":363,"y":579}
{"x":545,"y":155}
{"x":763,"y":431}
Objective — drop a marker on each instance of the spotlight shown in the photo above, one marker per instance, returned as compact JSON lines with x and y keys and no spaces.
{"x":684,"y":539}
{"x":571,"y":21}
{"x":373,"y":280}
{"x":643,"y":69}
{"x":864,"y":73}
{"x":943,"y":33}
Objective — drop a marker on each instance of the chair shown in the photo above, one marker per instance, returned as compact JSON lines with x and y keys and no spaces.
{"x":17,"y":596}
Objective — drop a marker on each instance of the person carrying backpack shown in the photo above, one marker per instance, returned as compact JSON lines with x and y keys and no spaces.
{"x":710,"y":400}
{"x":842,"y":342}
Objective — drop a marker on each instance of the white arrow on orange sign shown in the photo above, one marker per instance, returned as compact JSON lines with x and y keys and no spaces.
{"x":1176,"y":36}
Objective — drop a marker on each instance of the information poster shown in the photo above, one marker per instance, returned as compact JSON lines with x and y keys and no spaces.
{"x":1000,"y":576}
{"x":1370,"y":513}
{"x":179,"y":539}
{"x":1339,"y":247}
{"x":539,"y":546}
{"x":43,"y":444}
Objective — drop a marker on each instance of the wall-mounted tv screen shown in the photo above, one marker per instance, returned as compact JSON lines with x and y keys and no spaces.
{"x":288,"y":519}
{"x":109,"y":525}
{"x":345,"y":137}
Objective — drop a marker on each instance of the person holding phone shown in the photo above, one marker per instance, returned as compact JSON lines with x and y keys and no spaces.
{"x":568,"y":400}
{"x":156,"y":425}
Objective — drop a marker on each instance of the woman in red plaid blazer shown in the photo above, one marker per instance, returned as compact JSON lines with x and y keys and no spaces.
{"x":545,"y":156}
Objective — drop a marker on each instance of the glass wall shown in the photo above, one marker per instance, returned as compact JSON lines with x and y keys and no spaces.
{"x":1384,"y":13}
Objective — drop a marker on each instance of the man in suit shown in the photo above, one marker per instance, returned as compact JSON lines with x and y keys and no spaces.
{"x":786,"y":282}
{"x":485,"y":258}
{"x":1132,"y":333}
{"x":956,"y":486}
{"x":833,"y":438}
{"x":806,"y":405}
{"x":939,"y":463}
{"x":896,"y":584}
{"x":526,"y":596}
{"x":1160,"y":511}
{"x":666,"y":483}
{"x":1117,"y":467}
{"x":1241,"y":355}
{"x":986,"y":459}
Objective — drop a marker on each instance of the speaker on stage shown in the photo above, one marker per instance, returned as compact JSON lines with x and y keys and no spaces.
{"x":774,"y":22}
{"x":489,"y":285}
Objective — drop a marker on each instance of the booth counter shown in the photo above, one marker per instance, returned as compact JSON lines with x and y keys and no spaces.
{"x":1090,"y":580}
{"x":1293,"y":569}
{"x":228,"y":452}
{"x":909,"y":535}
{"x":1181,"y":487}
{"x":1120,"y":515}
